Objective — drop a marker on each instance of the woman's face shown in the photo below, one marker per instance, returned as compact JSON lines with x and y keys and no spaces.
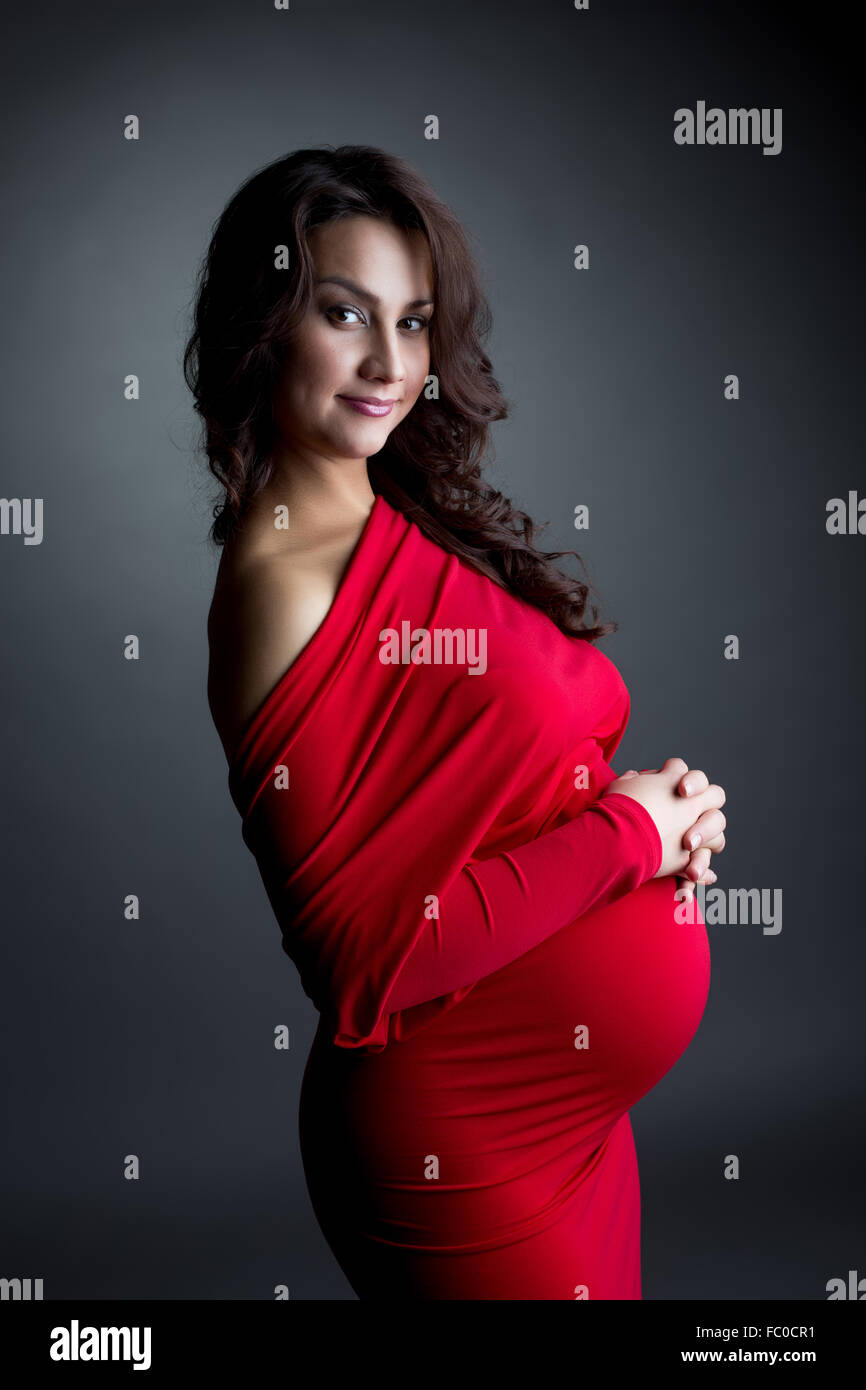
{"x":367,"y":337}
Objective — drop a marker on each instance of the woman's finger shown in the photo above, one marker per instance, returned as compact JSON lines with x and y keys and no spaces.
{"x":698,"y":864}
{"x":706,"y":827}
{"x":686,"y":890}
{"x":692,"y":782}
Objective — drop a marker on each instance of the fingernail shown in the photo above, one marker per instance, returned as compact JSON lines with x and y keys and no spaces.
{"x":695,"y":840}
{"x":687,"y":788}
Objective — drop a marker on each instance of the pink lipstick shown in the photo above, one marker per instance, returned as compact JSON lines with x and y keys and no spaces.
{"x":368,"y":405}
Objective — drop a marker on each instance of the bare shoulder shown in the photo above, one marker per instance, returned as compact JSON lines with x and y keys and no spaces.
{"x":265,"y":609}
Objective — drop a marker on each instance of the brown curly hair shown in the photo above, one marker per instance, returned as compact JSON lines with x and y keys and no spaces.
{"x":244,"y":313}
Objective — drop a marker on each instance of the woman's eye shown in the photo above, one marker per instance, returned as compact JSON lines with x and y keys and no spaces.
{"x":343,"y":309}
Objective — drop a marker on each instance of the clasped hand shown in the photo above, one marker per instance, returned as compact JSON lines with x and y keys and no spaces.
{"x":683,"y":854}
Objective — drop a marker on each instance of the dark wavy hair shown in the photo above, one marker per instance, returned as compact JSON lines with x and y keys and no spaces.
{"x":245,"y":311}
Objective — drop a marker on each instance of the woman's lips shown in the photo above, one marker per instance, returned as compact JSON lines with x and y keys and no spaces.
{"x":368,"y":407}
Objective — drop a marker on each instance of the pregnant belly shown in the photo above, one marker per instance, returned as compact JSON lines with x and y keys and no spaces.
{"x":560,"y":1042}
{"x":517,"y":1091}
{"x":613,"y":999}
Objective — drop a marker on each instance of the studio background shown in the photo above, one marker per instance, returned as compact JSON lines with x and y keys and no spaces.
{"x":707,"y":518}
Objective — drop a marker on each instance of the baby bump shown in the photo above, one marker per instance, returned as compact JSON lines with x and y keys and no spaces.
{"x":515,"y":1091}
{"x":619,"y":992}
{"x":570,"y":1034}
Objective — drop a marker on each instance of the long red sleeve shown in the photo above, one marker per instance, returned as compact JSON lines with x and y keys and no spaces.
{"x":502,"y":907}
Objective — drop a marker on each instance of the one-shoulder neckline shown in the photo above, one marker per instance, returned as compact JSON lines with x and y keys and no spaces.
{"x":340,"y":595}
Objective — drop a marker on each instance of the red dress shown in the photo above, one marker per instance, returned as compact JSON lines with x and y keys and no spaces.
{"x":498,"y":974}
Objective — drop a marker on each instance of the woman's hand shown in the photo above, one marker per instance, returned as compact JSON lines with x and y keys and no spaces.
{"x":698,"y":869}
{"x":708,"y":824}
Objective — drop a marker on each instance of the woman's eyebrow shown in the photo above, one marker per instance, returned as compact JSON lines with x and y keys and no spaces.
{"x":365,"y":294}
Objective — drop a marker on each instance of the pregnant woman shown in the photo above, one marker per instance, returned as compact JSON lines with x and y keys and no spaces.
{"x":419,"y":729}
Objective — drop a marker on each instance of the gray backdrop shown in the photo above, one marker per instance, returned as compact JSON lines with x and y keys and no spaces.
{"x":708,"y":517}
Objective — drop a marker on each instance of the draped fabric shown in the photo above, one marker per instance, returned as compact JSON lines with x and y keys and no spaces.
{"x":421,"y":788}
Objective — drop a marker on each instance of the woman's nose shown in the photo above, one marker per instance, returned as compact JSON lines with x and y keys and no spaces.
{"x":387,"y":359}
